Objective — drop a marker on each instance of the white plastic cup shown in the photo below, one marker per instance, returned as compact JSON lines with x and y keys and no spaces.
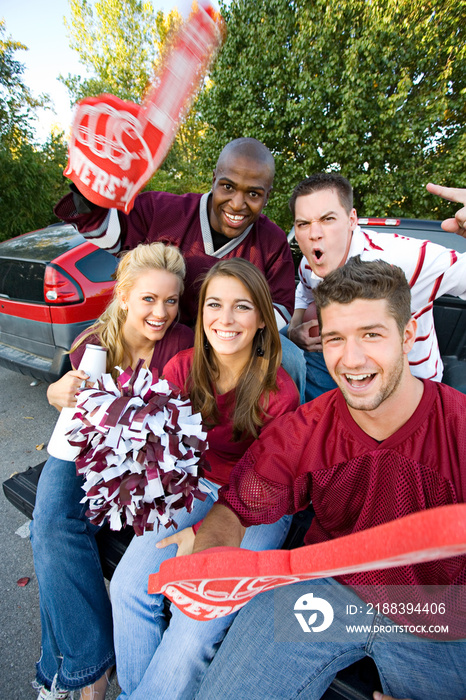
{"x":94,"y":364}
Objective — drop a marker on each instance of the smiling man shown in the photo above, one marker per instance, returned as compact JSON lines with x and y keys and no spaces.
{"x":381,"y":446}
{"x":327,"y":231}
{"x":366,"y":343}
{"x":224,"y":223}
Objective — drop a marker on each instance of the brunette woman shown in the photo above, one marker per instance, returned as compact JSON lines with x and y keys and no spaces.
{"x":233,"y":377}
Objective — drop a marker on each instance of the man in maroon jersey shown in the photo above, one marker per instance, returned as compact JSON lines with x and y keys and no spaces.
{"x":381,"y":446}
{"x":224,"y":223}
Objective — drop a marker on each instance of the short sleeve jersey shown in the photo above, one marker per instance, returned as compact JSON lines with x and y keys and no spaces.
{"x":182,"y":220}
{"x":319,"y":454}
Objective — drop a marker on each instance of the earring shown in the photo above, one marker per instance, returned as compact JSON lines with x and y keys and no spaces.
{"x":260,"y":352}
{"x":206,"y":344}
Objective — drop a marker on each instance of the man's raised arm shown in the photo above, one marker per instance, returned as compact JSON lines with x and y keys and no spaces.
{"x":453,"y":194}
{"x":220,"y":528}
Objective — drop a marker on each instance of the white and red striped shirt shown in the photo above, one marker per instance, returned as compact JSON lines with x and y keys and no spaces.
{"x":431,"y":271}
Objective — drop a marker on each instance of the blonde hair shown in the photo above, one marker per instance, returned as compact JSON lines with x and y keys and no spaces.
{"x":259,"y":376}
{"x":109,"y":325}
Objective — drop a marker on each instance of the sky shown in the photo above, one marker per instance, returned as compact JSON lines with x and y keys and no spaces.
{"x":38,"y":24}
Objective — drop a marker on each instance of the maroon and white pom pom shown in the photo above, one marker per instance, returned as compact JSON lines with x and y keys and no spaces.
{"x":141,"y":450}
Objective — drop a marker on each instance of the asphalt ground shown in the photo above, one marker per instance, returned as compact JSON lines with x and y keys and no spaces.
{"x":26,"y":424}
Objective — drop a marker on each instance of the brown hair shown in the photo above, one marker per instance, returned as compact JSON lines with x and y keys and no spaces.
{"x":109,"y":325}
{"x":259,"y":376}
{"x":367,"y":280}
{"x":324,"y":181}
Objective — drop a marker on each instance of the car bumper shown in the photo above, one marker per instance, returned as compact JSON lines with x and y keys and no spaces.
{"x":43,"y":368}
{"x":39,"y":350}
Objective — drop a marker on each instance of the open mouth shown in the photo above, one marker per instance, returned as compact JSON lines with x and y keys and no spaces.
{"x":318,"y":254}
{"x":359,"y":381}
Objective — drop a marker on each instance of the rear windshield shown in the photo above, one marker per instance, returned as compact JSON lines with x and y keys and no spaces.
{"x":98,"y":266}
{"x":22,"y":280}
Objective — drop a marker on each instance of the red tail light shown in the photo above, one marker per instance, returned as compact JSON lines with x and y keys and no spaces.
{"x":373,"y":221}
{"x":60,"y":288}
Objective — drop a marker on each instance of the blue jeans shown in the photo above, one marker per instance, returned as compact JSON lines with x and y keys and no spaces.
{"x":294,"y":363}
{"x":157,"y":657}
{"x":76,"y":617}
{"x":260,"y":659}
{"x":318,"y":379}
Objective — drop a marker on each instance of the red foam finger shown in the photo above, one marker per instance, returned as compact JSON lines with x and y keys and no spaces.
{"x":222,"y":580}
{"x":116,"y":146}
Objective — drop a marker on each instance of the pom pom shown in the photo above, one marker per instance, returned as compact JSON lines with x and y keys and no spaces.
{"x":141,"y":450}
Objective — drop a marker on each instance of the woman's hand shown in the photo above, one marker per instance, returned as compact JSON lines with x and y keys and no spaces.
{"x":183,"y":538}
{"x":62,"y":394}
{"x":381,"y":696}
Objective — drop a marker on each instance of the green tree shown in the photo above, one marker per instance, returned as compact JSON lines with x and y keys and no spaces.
{"x":31,"y":176}
{"x":17,"y":105}
{"x":31,"y":182}
{"x":375,"y":90}
{"x":118,"y":43}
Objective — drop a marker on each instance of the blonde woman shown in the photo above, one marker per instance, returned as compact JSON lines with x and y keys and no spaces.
{"x":233,"y":377}
{"x":139,"y":323}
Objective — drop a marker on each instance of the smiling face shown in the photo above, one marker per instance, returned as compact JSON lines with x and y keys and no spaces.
{"x":230,"y":319}
{"x":152,"y":306}
{"x":323,"y":229}
{"x":240,"y":190}
{"x":366,"y":355}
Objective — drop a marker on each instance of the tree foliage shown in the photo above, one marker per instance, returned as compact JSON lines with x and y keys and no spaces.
{"x":31,"y":176}
{"x":31,"y":182}
{"x":119,"y":44}
{"x":375,"y":90}
{"x":17,"y":105}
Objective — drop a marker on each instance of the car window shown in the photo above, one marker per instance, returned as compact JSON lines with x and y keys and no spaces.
{"x":21,"y":279}
{"x":98,"y":266}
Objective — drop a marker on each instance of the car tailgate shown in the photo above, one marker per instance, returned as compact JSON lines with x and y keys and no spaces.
{"x":26,"y":326}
